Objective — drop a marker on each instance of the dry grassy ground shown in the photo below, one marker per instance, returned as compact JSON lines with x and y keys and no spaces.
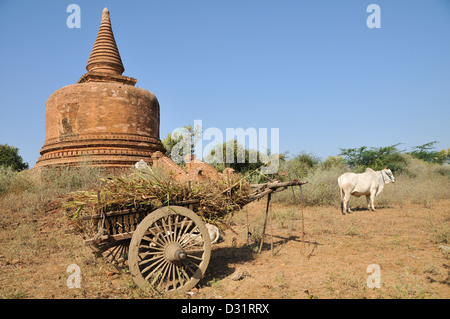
{"x":410,"y":243}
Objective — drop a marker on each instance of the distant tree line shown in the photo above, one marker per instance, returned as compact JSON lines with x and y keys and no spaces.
{"x":379,"y":157}
{"x":357,"y":159}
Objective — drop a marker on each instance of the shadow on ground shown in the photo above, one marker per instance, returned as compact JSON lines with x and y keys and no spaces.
{"x":223,"y":259}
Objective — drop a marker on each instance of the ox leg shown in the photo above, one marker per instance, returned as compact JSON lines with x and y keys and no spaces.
{"x":344,"y":207}
{"x":346,"y":204}
{"x":342,"y":202}
{"x":368,"y":202}
{"x":372,"y":201}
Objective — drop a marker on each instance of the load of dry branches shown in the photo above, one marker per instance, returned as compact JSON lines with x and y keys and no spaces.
{"x":150,"y":188}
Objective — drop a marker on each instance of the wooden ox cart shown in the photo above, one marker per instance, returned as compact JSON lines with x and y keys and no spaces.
{"x":167,"y":248}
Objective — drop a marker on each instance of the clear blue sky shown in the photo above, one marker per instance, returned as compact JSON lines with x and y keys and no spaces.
{"x":311,"y":68}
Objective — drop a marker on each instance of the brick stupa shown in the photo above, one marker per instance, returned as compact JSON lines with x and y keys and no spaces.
{"x":103,"y":118}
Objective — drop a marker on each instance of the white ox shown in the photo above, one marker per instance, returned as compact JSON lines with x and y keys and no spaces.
{"x":370,"y":183}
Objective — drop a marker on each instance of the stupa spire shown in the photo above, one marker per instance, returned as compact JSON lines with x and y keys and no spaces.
{"x":105,"y":57}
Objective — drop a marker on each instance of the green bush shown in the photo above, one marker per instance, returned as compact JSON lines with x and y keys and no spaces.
{"x":334,"y":161}
{"x":9,"y":157}
{"x":301,"y":165}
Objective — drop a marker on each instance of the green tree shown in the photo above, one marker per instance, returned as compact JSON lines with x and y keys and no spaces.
{"x":428,"y":153}
{"x":181,"y":143}
{"x":9,"y":157}
{"x":234,"y":155}
{"x":376,"y":158}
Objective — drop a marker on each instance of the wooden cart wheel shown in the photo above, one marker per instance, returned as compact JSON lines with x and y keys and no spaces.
{"x":170,"y":249}
{"x":118,"y":254}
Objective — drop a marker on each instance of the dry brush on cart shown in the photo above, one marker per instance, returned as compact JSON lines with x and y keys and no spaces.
{"x":157,"y":225}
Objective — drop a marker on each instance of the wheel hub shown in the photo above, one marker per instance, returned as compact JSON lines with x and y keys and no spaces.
{"x":174,"y":252}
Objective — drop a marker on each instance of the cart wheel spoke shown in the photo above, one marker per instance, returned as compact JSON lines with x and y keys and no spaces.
{"x":195,"y":257}
{"x":163,"y":276}
{"x":148,"y":260}
{"x":156,"y":266}
{"x":117,"y":254}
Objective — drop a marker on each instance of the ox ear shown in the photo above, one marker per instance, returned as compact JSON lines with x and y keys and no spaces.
{"x":387,"y":167}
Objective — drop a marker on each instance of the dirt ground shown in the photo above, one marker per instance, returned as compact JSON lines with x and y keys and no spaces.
{"x":409,"y":244}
